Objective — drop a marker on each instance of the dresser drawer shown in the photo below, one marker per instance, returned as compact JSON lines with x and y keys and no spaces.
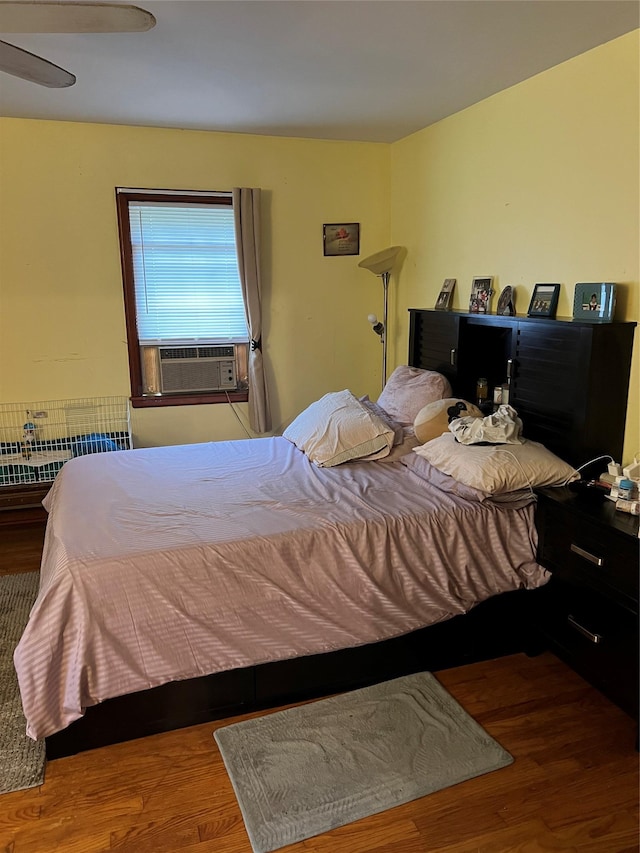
{"x":591,"y":553}
{"x":595,"y":636}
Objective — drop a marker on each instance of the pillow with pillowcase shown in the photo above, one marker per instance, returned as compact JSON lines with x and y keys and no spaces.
{"x":497,"y":469}
{"x":429,"y":473}
{"x":419,"y":466}
{"x":410,"y":389}
{"x":338,"y":428}
{"x":402,"y":450}
{"x":398,"y":429}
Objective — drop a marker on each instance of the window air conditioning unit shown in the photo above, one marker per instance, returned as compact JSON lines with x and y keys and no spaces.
{"x":184,"y":369}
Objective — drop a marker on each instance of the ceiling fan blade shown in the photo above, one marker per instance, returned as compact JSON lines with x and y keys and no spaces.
{"x":14,"y":60}
{"x":33,"y":16}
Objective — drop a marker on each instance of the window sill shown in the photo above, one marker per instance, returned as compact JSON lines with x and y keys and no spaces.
{"x":189,"y":399}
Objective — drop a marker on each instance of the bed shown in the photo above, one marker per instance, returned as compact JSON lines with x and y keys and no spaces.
{"x":181,"y":584}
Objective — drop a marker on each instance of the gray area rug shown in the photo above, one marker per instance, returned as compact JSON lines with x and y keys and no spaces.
{"x":21,"y":759}
{"x":301,"y":772}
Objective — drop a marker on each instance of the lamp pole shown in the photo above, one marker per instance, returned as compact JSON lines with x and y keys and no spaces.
{"x":385,"y":284}
{"x":381,"y":265}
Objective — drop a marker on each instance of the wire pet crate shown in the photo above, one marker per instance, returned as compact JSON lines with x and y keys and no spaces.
{"x":37,"y":438}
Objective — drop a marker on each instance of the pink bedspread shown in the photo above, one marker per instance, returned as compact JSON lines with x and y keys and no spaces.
{"x":168,"y":563}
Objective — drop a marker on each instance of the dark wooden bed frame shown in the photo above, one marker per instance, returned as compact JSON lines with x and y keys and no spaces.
{"x":463,"y":347}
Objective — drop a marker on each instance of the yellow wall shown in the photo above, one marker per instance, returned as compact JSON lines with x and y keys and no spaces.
{"x":62,"y":331}
{"x":539,"y":183}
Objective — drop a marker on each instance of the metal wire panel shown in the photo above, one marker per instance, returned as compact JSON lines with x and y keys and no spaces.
{"x":38,"y":437}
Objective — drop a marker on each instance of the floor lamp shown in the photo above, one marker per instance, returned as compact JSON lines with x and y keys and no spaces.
{"x":381,"y":265}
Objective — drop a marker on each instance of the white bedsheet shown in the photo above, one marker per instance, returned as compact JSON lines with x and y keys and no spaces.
{"x":168,"y":563}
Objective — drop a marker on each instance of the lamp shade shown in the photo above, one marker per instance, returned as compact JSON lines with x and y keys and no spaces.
{"x":381,"y":262}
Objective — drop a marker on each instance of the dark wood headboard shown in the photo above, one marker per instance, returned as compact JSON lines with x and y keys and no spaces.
{"x":568,"y":379}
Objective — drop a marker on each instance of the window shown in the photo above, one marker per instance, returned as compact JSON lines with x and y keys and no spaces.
{"x":186,"y":326}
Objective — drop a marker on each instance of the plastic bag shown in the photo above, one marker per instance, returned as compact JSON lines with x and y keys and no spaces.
{"x":502,"y":427}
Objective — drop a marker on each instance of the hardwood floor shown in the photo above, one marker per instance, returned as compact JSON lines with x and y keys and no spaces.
{"x":572,"y":787}
{"x":20,"y":547}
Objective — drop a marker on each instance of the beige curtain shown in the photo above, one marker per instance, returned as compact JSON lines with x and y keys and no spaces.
{"x":246,"y":208}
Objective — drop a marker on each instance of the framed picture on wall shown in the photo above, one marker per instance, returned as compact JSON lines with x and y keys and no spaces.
{"x":481,"y":293}
{"x":544,"y":300}
{"x":443,"y":303}
{"x":594,"y":302}
{"x":341,"y":238}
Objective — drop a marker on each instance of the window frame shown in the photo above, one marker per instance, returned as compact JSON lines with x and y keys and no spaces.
{"x":138,"y":399}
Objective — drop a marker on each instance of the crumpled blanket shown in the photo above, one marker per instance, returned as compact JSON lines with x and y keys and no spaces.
{"x":502,"y":427}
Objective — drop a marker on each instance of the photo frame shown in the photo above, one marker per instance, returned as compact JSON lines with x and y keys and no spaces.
{"x":594,"y":302}
{"x":342,"y":238}
{"x":443,"y":303}
{"x":544,"y":300}
{"x":506,"y":303}
{"x":481,"y":293}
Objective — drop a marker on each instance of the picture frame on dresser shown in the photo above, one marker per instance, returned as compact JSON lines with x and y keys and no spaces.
{"x":445,"y":298}
{"x":481,"y":293}
{"x":594,"y":302}
{"x":544,"y":301}
{"x":506,"y":303}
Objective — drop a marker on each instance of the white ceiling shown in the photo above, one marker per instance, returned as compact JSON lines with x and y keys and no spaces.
{"x":371,"y":70}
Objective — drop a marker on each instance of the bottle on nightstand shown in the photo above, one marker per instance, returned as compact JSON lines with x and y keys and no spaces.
{"x":632,"y":507}
{"x":627,"y":498}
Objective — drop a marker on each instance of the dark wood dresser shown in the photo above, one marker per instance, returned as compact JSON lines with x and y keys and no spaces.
{"x":557,"y":370}
{"x":588,"y":612}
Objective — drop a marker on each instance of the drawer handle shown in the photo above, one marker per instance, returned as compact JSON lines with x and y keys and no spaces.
{"x":452,"y":357}
{"x":598,"y":561}
{"x":595,"y":638}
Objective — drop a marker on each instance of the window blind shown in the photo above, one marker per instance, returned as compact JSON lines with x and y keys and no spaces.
{"x":185,"y":268}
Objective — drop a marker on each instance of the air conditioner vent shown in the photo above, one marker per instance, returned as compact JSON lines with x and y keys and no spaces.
{"x":178,"y":352}
{"x":189,"y":369}
{"x":197,"y":352}
{"x":216,"y":352}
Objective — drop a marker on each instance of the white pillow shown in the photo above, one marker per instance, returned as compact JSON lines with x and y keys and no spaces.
{"x":410,"y":389}
{"x":398,"y":429}
{"x":402,"y":450}
{"x":337,"y":428}
{"x":497,"y":469}
{"x":419,"y":466}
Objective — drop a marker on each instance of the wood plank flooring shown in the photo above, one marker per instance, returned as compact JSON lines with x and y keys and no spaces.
{"x":20,"y":547}
{"x":572,"y":787}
